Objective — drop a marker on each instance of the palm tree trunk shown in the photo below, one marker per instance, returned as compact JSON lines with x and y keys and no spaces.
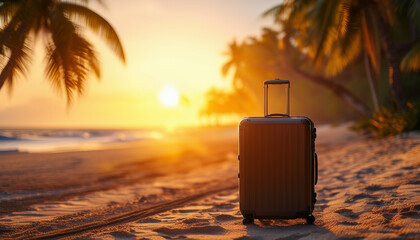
{"x":348,"y":97}
{"x":371,"y":82}
{"x":391,"y":53}
{"x":341,"y":92}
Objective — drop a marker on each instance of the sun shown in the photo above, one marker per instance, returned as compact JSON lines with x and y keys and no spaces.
{"x":169,"y":96}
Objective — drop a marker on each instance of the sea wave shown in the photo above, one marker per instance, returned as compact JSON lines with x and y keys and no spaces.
{"x":41,"y":140}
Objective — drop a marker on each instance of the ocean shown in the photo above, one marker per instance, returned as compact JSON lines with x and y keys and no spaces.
{"x":57,"y":140}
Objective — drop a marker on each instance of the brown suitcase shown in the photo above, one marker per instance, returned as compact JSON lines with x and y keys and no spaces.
{"x":277,"y":164}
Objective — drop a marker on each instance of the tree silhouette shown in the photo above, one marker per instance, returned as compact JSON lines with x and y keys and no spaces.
{"x":264,"y":57}
{"x":336,"y":32}
{"x":70,"y":57}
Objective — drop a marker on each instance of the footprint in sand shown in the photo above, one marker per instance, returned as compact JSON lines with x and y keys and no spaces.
{"x":149,"y":220}
{"x":387,"y":210}
{"x":411,"y":214}
{"x":347,"y":213}
{"x":340,"y":178}
{"x":397,"y":175}
{"x":320,"y":207}
{"x":375,"y":187}
{"x":347,"y":223}
{"x":388,"y":216}
{"x":224,"y":206}
{"x":191,"y":230}
{"x":406,"y":212}
{"x":221,"y":207}
{"x":185,"y":211}
{"x":123,"y":235}
{"x":226,"y":217}
{"x":365,"y":171}
{"x":408,"y":168}
{"x":195,"y":221}
{"x":359,"y":196}
{"x":377,"y":203}
{"x":395,"y":161}
{"x":414,"y":182}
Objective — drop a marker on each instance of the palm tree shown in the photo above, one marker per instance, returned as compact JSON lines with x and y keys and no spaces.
{"x":236,"y":62}
{"x":337,"y":32}
{"x":234,"y":53}
{"x":221,"y":102}
{"x":70,"y":57}
{"x":262,"y":58}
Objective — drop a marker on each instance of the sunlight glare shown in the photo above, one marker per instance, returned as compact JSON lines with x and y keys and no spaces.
{"x":169,"y":96}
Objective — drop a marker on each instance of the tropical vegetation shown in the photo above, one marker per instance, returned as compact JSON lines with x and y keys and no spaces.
{"x":260,"y":58}
{"x":70,"y":57}
{"x":325,"y":41}
{"x":341,"y":30}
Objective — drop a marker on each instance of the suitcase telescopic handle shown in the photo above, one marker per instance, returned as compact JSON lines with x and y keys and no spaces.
{"x":273,"y":82}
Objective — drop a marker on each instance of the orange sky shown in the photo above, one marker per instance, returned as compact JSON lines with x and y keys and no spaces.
{"x":171,"y":42}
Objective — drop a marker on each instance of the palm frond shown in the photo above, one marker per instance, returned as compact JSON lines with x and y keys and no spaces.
{"x":14,"y":46}
{"x":414,"y":12}
{"x":326,"y":30}
{"x":70,"y":57}
{"x":17,"y":64}
{"x":290,"y":12}
{"x":344,"y":51}
{"x":278,"y":12}
{"x":7,"y":10}
{"x":344,"y":16}
{"x":411,"y":61}
{"x":299,"y":10}
{"x":341,"y":57}
{"x":86,"y":2}
{"x":54,"y":70}
{"x":14,"y":23}
{"x":86,"y":55}
{"x":97,"y":23}
{"x":386,"y":9}
{"x":371,"y":41}
{"x":226,"y":68}
{"x":235,"y":54}
{"x":275,"y":11}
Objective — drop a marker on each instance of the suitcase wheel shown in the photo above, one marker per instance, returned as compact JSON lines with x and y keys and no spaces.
{"x":310,"y":219}
{"x":248,"y":219}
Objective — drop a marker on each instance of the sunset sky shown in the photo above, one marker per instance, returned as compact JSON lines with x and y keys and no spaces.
{"x":175,"y":44}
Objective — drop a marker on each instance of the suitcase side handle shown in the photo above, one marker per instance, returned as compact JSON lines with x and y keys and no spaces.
{"x":316,"y":168}
{"x":272,"y":82}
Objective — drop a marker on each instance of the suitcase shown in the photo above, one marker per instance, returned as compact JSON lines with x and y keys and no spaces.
{"x":278,"y":166}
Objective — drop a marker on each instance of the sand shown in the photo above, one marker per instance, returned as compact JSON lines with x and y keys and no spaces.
{"x":186,"y":188}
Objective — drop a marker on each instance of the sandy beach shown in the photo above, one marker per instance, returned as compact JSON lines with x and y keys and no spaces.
{"x":184,"y":186}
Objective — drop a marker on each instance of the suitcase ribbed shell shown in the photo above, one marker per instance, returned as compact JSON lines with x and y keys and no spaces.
{"x":276,"y":167}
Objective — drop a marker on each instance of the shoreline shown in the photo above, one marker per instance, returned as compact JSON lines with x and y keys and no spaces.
{"x":367,"y":189}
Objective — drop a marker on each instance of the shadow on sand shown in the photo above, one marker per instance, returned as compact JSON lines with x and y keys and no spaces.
{"x":286,"y":229}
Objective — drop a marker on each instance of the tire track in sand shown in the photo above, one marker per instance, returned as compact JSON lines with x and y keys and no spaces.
{"x":133,"y":215}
